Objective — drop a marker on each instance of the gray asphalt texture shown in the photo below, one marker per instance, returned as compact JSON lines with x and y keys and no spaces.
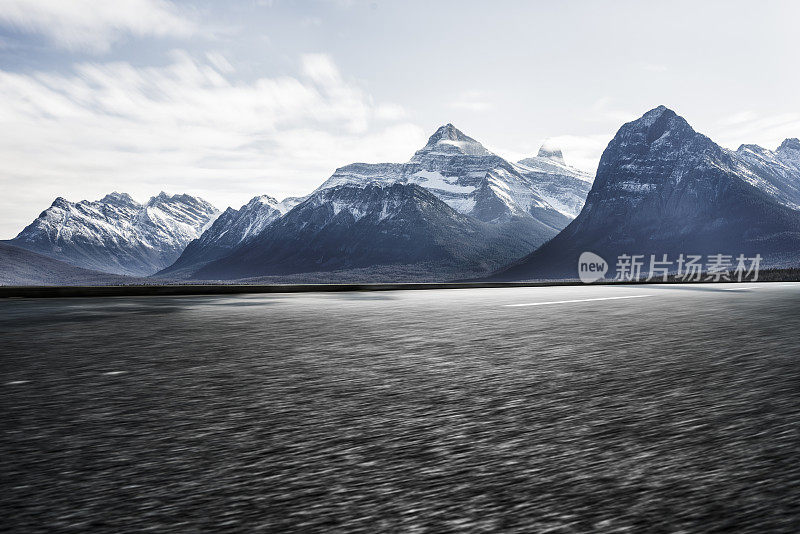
{"x":408,"y":411}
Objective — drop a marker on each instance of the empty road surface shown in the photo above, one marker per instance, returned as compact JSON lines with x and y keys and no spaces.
{"x":563,"y":409}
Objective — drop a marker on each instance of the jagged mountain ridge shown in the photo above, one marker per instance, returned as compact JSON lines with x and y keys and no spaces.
{"x":662,"y":188}
{"x":116,"y":234}
{"x":395,"y":227}
{"x":228,"y":231}
{"x":775,"y":172}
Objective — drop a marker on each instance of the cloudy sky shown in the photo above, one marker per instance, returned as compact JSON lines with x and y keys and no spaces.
{"x":227,"y":100}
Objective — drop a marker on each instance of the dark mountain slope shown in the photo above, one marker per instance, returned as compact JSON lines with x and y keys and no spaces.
{"x":401,"y":226}
{"x":20,"y":267}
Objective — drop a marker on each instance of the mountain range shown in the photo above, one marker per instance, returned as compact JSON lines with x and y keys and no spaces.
{"x":455,"y":210}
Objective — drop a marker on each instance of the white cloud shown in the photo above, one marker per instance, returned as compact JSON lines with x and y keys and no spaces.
{"x":320,"y":68}
{"x":91,"y":25}
{"x":185,"y":127}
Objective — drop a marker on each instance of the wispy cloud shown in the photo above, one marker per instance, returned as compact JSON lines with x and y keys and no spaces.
{"x":739,"y":118}
{"x":581,"y":151}
{"x":472,"y":101}
{"x":220,"y":62}
{"x":654,"y":67}
{"x":92,"y":26}
{"x":187,"y":127}
{"x":311,"y":22}
{"x":748,"y":127}
{"x":606,"y":110}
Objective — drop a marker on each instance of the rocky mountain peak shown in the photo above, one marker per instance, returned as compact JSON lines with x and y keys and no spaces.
{"x":654,"y":114}
{"x":119,"y":199}
{"x":160,"y":198}
{"x":448,"y":131}
{"x":60,"y":202}
{"x":792,"y":143}
{"x":748,"y":147}
{"x":449,"y":140}
{"x":660,"y":130}
{"x":262,"y":200}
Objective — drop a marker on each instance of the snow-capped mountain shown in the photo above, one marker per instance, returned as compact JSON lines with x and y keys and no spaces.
{"x":662,"y":188}
{"x":117,"y":234}
{"x":465,"y":175}
{"x":563,"y":187}
{"x":401,"y":230}
{"x":229,"y":230}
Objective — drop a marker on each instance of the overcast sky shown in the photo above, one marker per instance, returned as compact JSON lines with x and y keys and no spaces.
{"x":227,"y":100}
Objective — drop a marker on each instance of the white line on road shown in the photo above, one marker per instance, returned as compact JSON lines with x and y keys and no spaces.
{"x":577,"y":300}
{"x":738,"y":288}
{"x":761,"y":286}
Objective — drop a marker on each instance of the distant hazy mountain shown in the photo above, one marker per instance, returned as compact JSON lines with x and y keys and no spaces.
{"x":395,"y":228}
{"x":230,"y":229}
{"x":20,"y":267}
{"x":465,"y":175}
{"x":563,"y":187}
{"x":116,"y":234}
{"x":662,"y":188}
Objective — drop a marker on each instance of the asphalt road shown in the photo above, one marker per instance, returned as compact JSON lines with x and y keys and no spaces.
{"x":565,"y":409}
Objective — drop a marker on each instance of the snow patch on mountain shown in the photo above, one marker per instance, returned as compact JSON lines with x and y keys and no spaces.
{"x":434,"y":180}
